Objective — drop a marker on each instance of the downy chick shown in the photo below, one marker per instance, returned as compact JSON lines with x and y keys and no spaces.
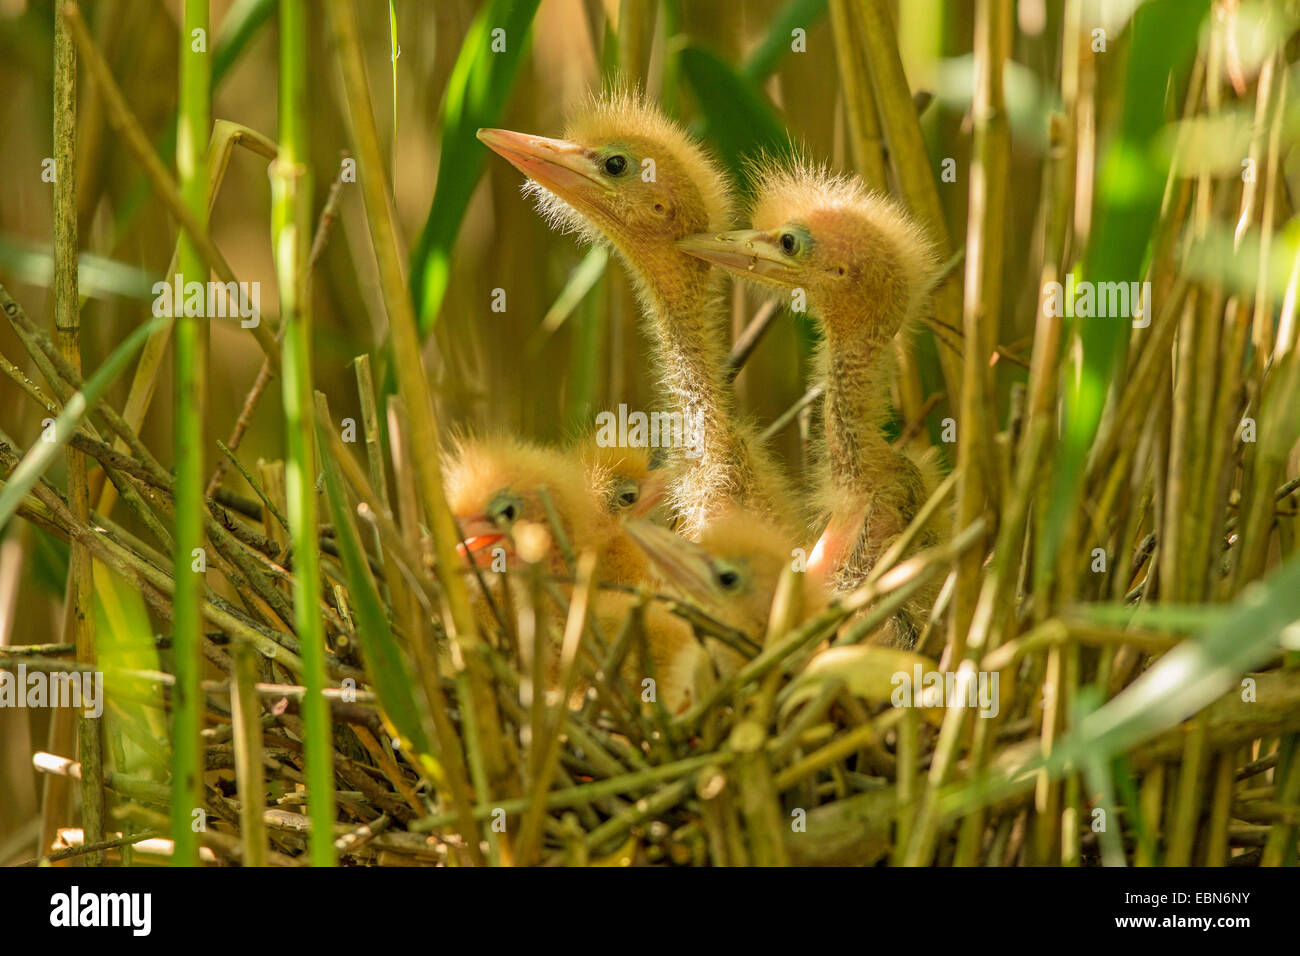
{"x":865,"y":268}
{"x":626,"y":174}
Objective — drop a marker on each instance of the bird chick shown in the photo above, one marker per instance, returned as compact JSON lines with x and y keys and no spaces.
{"x":494,"y":484}
{"x":630,"y":481}
{"x":626,"y":174}
{"x":630,"y":485}
{"x":494,"y":488}
{"x":865,"y":268}
{"x":731,"y":572}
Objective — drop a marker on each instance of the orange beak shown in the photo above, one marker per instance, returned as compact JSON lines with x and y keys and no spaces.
{"x":482,"y":538}
{"x":566,"y":169}
{"x":652,"y":492}
{"x":683,"y":564}
{"x":748,"y":253}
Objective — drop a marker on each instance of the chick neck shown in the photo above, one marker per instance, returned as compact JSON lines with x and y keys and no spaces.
{"x":865,"y":477}
{"x":681,"y":298}
{"x":854,"y":364}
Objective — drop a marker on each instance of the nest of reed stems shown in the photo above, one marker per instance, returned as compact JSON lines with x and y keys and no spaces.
{"x":332,"y":699}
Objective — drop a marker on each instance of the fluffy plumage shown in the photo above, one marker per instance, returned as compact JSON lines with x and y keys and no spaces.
{"x":628,"y":484}
{"x":483,"y":476}
{"x":732,"y":572}
{"x":625,"y":118}
{"x":868,"y":271}
{"x":887,"y":253}
{"x":757,"y":552}
{"x":864,"y":267}
{"x":631,"y":481}
{"x":665,"y":187}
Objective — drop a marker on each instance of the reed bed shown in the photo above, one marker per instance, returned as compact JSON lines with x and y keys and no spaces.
{"x":293,"y":670}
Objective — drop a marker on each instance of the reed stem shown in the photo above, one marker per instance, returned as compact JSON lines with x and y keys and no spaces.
{"x":67,"y":321}
{"x":188,"y":430}
{"x":291,"y":225}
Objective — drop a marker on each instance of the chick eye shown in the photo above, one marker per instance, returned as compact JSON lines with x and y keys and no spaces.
{"x":627,"y":494}
{"x":789,"y":244}
{"x":504,"y":508}
{"x":616,"y":165}
{"x":728,"y":578}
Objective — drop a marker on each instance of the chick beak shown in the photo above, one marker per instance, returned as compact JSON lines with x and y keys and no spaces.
{"x":482,"y":537}
{"x":562,"y":167}
{"x":652,"y":489}
{"x":683,"y":563}
{"x":652,"y":492}
{"x":749,"y":253}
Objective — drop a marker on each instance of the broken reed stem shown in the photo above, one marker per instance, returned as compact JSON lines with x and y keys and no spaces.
{"x":246,"y":710}
{"x":291,"y":196}
{"x":190,"y":374}
{"x":94,"y":850}
{"x":177,"y":197}
{"x":80,"y":609}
